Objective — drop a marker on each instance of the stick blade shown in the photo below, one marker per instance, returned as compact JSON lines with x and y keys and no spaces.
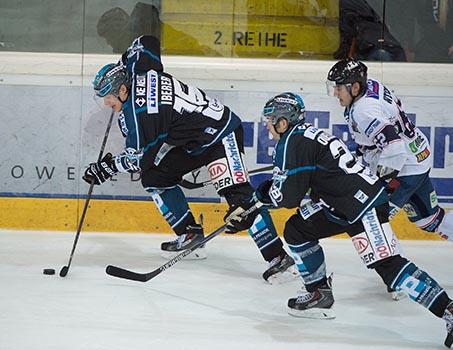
{"x":127,"y":274}
{"x":64,"y":271}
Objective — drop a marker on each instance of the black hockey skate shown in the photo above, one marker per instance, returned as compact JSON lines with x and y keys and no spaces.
{"x":281,"y":269}
{"x":194,"y":234}
{"x":317,"y":304}
{"x":448,"y":317}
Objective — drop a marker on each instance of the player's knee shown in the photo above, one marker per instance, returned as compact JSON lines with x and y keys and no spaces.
{"x":293,"y":232}
{"x":237,"y":194}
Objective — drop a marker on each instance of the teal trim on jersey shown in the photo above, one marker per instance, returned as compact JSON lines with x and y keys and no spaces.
{"x":299,"y":132}
{"x":280,"y":151}
{"x":232,"y":124}
{"x":134,"y":114}
{"x":141,"y":109}
{"x":131,"y":124}
{"x":155,"y":142}
{"x":153,"y":56}
{"x":380,"y":198}
{"x":302,"y":168}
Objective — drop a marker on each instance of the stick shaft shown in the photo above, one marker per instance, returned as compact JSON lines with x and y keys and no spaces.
{"x":144,"y":277}
{"x":90,"y":191}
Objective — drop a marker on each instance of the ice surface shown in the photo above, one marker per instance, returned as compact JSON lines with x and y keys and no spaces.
{"x":218,"y":303}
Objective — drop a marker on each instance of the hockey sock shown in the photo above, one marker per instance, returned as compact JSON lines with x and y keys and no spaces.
{"x":421,"y":288}
{"x":172,"y":204}
{"x":310,"y":261}
{"x":265,"y":236}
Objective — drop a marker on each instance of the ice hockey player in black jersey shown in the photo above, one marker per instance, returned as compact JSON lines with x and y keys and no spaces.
{"x":172,"y":128}
{"x":344,"y":198}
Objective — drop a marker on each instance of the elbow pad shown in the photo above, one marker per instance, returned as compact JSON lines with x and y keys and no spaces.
{"x":128,"y":161}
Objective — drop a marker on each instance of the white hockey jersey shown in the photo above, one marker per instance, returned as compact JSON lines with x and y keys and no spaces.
{"x":384,"y":133}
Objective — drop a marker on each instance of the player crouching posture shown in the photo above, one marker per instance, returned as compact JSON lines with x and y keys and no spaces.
{"x":172,"y":128}
{"x":345,"y":198}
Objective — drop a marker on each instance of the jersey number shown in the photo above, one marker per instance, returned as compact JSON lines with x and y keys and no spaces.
{"x":190,"y":99}
{"x":347,"y":162}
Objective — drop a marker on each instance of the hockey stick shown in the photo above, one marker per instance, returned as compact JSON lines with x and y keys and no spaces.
{"x":192,"y":185}
{"x":144,"y":277}
{"x":449,"y":340}
{"x":64,"y":270}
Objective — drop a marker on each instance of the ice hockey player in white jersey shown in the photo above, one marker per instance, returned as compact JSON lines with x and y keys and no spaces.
{"x":390,"y":144}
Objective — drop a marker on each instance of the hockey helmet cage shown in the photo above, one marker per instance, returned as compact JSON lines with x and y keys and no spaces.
{"x":347,"y":71}
{"x":286,"y":105}
{"x":109,"y":80}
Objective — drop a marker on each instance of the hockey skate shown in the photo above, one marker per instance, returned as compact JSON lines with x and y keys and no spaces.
{"x":281,"y":269}
{"x":317,"y":304}
{"x":448,"y":317}
{"x":194,"y":234}
{"x":396,"y":294}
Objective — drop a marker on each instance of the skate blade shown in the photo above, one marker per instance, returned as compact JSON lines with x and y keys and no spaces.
{"x":315,"y":313}
{"x":198,"y":254}
{"x":289,"y":275}
{"x":397,"y":296}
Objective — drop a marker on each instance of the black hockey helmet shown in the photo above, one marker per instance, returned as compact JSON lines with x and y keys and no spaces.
{"x":110,"y":78}
{"x":286,"y":105}
{"x":347,"y":71}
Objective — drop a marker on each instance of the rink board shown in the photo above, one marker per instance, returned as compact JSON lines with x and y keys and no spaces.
{"x":136,"y":216}
{"x":51,"y":135}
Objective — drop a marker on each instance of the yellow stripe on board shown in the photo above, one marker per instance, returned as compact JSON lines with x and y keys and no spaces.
{"x":257,"y":28}
{"x":135,"y":216}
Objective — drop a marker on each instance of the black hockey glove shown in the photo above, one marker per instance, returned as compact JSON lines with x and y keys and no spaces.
{"x":234,"y":219}
{"x":262,"y":192}
{"x":100,"y":172}
{"x":386,"y":174}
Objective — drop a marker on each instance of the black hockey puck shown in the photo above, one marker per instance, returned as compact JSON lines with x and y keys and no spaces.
{"x":48,"y":271}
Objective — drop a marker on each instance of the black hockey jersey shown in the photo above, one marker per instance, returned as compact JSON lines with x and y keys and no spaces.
{"x":162,"y":112}
{"x":309,"y":158}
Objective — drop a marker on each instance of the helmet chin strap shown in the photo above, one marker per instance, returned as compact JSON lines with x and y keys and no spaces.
{"x":354,"y":98}
{"x":127,"y":96}
{"x":280,"y":133}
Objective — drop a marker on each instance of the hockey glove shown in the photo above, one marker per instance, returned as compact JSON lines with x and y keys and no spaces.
{"x":100,"y":172}
{"x":234,"y":219}
{"x":386,"y":174}
{"x":262,"y":192}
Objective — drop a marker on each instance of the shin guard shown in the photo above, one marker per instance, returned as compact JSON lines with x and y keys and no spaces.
{"x":173,"y":206}
{"x":309,"y":258}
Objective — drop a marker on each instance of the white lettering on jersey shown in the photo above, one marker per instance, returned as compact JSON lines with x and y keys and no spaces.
{"x":152,"y":103}
{"x":190,"y":99}
{"x":166,"y":90}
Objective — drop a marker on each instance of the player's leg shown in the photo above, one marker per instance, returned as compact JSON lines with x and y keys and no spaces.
{"x":416,"y":195}
{"x":401,"y":274}
{"x":161,"y":182}
{"x":263,"y":232}
{"x":302,"y":232}
{"x":229,"y":177}
{"x":377,"y":246}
